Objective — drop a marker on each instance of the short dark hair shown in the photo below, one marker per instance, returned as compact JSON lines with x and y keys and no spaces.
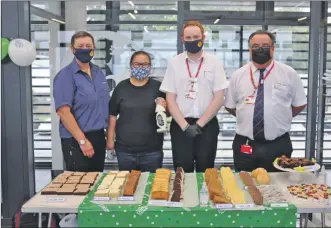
{"x":79,"y":35}
{"x":140,"y":53}
{"x":262,"y":32}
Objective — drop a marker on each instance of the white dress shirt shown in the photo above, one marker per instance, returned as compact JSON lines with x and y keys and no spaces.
{"x":282,"y":89}
{"x":211,"y":78}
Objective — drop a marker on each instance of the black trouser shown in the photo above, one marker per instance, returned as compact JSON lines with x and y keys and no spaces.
{"x":201,"y":149}
{"x":75,"y":159}
{"x":263,"y":152}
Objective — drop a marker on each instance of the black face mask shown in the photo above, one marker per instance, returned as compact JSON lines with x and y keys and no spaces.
{"x":84,"y":55}
{"x":193,"y":46}
{"x":261,"y":55}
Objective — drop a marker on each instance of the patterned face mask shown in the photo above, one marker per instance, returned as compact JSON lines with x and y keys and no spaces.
{"x":140,"y":73}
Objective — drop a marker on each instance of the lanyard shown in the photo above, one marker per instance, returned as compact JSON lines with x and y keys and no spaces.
{"x":189,"y":71}
{"x":263,"y":79}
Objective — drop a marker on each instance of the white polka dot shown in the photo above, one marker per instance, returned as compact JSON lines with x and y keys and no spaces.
{"x":287,"y":208}
{"x":216,"y":215}
{"x":81,"y":212}
{"x":278,"y":221}
{"x":130,"y":225}
{"x":251,"y":226}
{"x":211,"y":224}
{"x":161,"y":210}
{"x":147,"y":217}
{"x":275,"y":214}
{"x":233,"y":221}
{"x":206,"y":210}
{"x":194,"y":215}
{"x":198,"y":223}
{"x":134,"y":216}
{"x":291,"y":223}
{"x":156,"y":216}
{"x":152,"y":223}
{"x":100,"y":213}
{"x":124,"y":210}
{"x":113,"y":216}
{"x":237,"y":214}
{"x":241,"y":226}
{"x":229,"y":216}
{"x":262,"y":212}
{"x":181,"y":213}
{"x":117,"y":223}
{"x":119,"y":207}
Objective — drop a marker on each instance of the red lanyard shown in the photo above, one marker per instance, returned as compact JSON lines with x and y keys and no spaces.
{"x":263,"y":79}
{"x":189,"y":71}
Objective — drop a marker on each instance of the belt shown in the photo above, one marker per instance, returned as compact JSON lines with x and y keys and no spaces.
{"x":265,"y":141}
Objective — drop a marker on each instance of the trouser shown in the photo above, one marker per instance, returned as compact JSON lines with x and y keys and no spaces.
{"x":75,"y":159}
{"x":201,"y":149}
{"x":143,"y":161}
{"x":263,"y":152}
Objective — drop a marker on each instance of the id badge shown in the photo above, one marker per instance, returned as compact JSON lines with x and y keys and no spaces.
{"x":250,"y":100}
{"x":246,"y":149}
{"x":191,"y":90}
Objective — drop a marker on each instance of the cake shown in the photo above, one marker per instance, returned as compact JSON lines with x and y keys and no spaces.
{"x":122,"y":174}
{"x":66,"y":191}
{"x":81,"y":191}
{"x":230,"y":186}
{"x":78,"y":174}
{"x":215,"y":189}
{"x":49,"y":191}
{"x":178,"y":186}
{"x":161,"y":184}
{"x":261,"y":176}
{"x":69,"y":185}
{"x":102,"y":193}
{"x":52,"y":185}
{"x":114,"y":193}
{"x":255,"y":194}
{"x":131,"y":183}
{"x":246,"y":178}
{"x":83,"y":186}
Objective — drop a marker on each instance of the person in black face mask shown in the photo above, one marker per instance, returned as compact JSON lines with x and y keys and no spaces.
{"x":81,"y":96}
{"x":264,"y":95}
{"x":194,"y":83}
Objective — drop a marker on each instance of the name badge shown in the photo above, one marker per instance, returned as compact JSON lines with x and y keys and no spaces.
{"x":250,"y":99}
{"x":192,"y":89}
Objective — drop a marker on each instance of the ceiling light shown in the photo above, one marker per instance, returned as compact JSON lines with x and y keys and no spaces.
{"x":131,"y":15}
{"x":301,"y":19}
{"x":216,"y":21}
{"x":145,"y":28}
{"x":58,"y":21}
{"x":135,"y":11}
{"x":131,"y":3}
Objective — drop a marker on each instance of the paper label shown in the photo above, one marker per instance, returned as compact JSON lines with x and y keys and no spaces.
{"x":56,"y":200}
{"x":101,"y":198}
{"x":223,"y":206}
{"x":173,"y":204}
{"x":279,"y":205}
{"x":125,"y":198}
{"x":243,"y":206}
{"x":157,"y":202}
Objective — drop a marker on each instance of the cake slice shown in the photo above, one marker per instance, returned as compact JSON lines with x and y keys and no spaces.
{"x":65,"y":191}
{"x":81,"y":191}
{"x":122,"y":174}
{"x":102,"y":193}
{"x":49,"y":191}
{"x":69,"y":185}
{"x":114,"y":193}
{"x":52,"y":185}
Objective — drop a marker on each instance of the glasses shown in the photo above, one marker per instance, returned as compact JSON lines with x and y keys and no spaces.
{"x":256,"y":46}
{"x":143,"y":65}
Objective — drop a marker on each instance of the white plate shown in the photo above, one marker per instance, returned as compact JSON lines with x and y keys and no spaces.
{"x":310,"y":168}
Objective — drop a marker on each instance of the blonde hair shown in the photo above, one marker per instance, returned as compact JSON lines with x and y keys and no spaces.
{"x":193,"y":23}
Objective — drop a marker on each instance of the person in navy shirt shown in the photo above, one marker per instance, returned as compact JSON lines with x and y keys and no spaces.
{"x":81,"y":96}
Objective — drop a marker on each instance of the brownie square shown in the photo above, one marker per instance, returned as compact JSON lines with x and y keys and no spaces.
{"x":75,"y":178}
{"x":59,"y":181}
{"x":53,"y":185}
{"x":83,"y":186}
{"x":65,"y":191}
{"x":49,"y":191}
{"x":69,"y":185}
{"x":81,"y":191}
{"x":72,"y":182}
{"x":87,"y":181}
{"x":78,"y":173}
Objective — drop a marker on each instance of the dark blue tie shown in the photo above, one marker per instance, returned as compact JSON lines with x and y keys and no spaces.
{"x":258,"y":119}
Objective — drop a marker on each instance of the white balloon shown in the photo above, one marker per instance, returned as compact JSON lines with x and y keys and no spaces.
{"x":21,"y":52}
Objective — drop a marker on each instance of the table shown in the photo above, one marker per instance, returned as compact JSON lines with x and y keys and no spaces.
{"x":92,"y":215}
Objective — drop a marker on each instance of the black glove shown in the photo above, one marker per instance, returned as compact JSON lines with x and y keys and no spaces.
{"x":193,"y":130}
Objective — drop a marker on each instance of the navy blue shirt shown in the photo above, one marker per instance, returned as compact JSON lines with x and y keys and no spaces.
{"x":87,"y":96}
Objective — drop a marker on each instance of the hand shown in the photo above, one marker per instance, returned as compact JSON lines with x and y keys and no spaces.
{"x":110,"y":144}
{"x":161,"y":101}
{"x":87,"y":149}
{"x":193,"y":131}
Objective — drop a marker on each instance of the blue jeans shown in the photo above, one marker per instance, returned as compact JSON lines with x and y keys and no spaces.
{"x":145,"y":161}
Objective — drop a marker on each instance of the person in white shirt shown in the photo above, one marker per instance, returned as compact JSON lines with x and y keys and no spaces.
{"x":194,"y":84}
{"x":264,"y":95}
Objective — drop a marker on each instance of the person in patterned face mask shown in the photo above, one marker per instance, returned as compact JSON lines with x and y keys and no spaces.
{"x":138,"y":146}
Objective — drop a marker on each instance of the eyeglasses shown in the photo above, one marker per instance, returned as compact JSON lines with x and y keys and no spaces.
{"x":256,"y":46}
{"x":143,"y":65}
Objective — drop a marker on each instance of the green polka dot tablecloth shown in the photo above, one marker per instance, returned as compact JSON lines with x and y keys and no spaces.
{"x":92,"y":215}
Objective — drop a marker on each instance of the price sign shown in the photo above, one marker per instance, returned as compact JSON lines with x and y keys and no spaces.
{"x":157,"y":202}
{"x":279,"y":205}
{"x":101,"y":198}
{"x":125,"y":198}
{"x":224,"y":206}
{"x":173,"y":204}
{"x":244,"y":206}
{"x":56,"y":200}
